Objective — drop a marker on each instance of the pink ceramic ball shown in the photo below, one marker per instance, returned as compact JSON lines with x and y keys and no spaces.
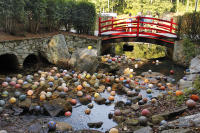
{"x":73,"y":101}
{"x":117,"y":112}
{"x":52,"y":71}
{"x":13,"y":83}
{"x":190,"y":103}
{"x":5,"y":84}
{"x":65,"y":89}
{"x":17,"y":86}
{"x":88,"y":97}
{"x":20,"y":81}
{"x":58,"y":75}
{"x":68,"y":114}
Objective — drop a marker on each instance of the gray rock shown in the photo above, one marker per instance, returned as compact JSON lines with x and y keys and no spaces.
{"x":181,"y":130}
{"x":156,"y":119}
{"x":187,"y":121}
{"x":3,"y":131}
{"x":144,"y":130}
{"x":184,"y":84}
{"x":63,"y":126}
{"x":53,"y":109}
{"x":84,"y":100}
{"x":95,"y":124}
{"x":25,"y":104}
{"x":84,"y":60}
{"x":194,"y":65}
{"x":57,"y":49}
{"x":100,"y":100}
{"x":152,"y":74}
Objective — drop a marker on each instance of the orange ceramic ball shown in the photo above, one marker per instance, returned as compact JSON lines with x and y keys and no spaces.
{"x":159,"y":84}
{"x":111,"y":98}
{"x":145,"y":100}
{"x":29,"y":92}
{"x":162,"y":87}
{"x":121,"y":78}
{"x":42,"y":97}
{"x":87,"y":111}
{"x":153,"y":100}
{"x":146,"y":81}
{"x":79,"y":87}
{"x":178,"y":93}
{"x":73,"y":101}
{"x":194,"y":97}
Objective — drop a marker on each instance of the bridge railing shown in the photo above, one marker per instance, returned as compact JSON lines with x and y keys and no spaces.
{"x":138,"y":26}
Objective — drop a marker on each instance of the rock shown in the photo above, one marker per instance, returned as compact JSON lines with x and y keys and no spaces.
{"x":56,"y":106}
{"x":156,"y":119}
{"x":187,"y":121}
{"x":184,"y":84}
{"x":194,"y":65}
{"x":84,"y":60}
{"x":180,"y":130}
{"x":132,"y":122}
{"x":37,"y":127}
{"x":152,"y":74}
{"x":57,"y":49}
{"x":95,"y":124}
{"x":84,"y":100}
{"x":126,"y":111}
{"x":100,"y":100}
{"x":63,"y":126}
{"x":135,"y":107}
{"x":119,"y":119}
{"x":144,"y":130}
{"x":3,"y":131}
{"x":120,"y":104}
{"x":25,"y":104}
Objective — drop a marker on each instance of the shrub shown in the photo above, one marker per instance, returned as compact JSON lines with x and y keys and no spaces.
{"x":189,"y":26}
{"x":84,"y":17}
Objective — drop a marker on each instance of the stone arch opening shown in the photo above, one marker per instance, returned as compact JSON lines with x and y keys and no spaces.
{"x":9,"y":63}
{"x":30,"y":61}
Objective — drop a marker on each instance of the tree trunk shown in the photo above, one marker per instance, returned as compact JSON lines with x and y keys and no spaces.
{"x":177,"y":5}
{"x":187,"y":5}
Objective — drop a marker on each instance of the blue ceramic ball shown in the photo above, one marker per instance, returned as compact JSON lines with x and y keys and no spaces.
{"x":37,"y":108}
{"x":127,"y":85}
{"x":25,"y":82}
{"x":17,"y":93}
{"x":52,"y":125}
{"x":149,"y":95}
{"x":124,"y":81}
{"x":107,"y":102}
{"x":73,"y":72}
{"x":8,"y":79}
{"x":163,"y":122}
{"x":2,"y":103}
{"x":50,"y":84}
{"x":184,"y":78}
{"x":55,"y":77}
{"x":128,"y":102}
{"x":187,"y":70}
{"x":109,"y":60}
{"x":22,"y":97}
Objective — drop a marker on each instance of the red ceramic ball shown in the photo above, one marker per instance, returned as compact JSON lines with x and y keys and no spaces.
{"x":88,"y":97}
{"x":171,"y":71}
{"x":145,"y":112}
{"x":17,"y":86}
{"x":68,"y":114}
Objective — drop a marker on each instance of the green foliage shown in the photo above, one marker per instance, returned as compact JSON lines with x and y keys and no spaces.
{"x":189,"y":26}
{"x":180,"y":99}
{"x":84,"y":17}
{"x":190,"y":49}
{"x":196,"y":83}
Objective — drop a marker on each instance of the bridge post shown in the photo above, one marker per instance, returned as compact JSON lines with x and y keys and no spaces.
{"x":112,"y":22}
{"x":99,"y":34}
{"x":171,"y":25}
{"x":138,"y":24}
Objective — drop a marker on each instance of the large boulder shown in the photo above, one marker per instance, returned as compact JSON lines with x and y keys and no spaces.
{"x":194,"y":65}
{"x":84,"y":60}
{"x":56,"y":50}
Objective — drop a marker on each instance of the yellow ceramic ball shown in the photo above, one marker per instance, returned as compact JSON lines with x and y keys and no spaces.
{"x":89,"y":47}
{"x":12,"y":100}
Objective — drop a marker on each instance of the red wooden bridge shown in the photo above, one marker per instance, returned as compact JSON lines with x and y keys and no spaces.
{"x":138,"y":29}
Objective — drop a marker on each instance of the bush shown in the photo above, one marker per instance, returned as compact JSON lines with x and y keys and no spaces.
{"x":84,"y":17}
{"x":66,"y":13}
{"x":189,"y":26}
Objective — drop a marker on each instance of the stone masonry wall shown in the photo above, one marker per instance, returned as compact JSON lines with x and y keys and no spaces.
{"x":23,"y":48}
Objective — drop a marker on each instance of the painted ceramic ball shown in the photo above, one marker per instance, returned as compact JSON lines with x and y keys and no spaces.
{"x":64,"y":84}
{"x":73,"y":72}
{"x":14,"y":79}
{"x":12,"y":100}
{"x":30,"y":92}
{"x":42,"y":83}
{"x":163,"y":122}
{"x":48,"y":94}
{"x":87,"y":111}
{"x":17,"y":86}
{"x":112,"y":93}
{"x":22,"y":97}
{"x":107,"y":102}
{"x":65,"y":89}
{"x":52,"y":71}
{"x":36,"y":75}
{"x":150,"y":71}
{"x":80,"y":93}
{"x":153,"y":101}
{"x":149,"y":91}
{"x":127,"y":85}
{"x":13,"y":83}
{"x":43,"y":93}
{"x":64,"y":71}
{"x":51,"y":84}
{"x":5,"y":94}
{"x":150,"y":85}
{"x":88,"y":97}
{"x":42,"y":97}
{"x":185,"y":78}
{"x":5,"y":84}
{"x":17,"y":93}
{"x":145,"y":112}
{"x":171,"y":72}
{"x":20,"y":81}
{"x":79,"y":87}
{"x":96,"y":95}
{"x":73,"y":101}
{"x":149,"y":95}
{"x":143,"y":120}
{"x":2,"y":103}
{"x":8,"y":79}
{"x":109,"y":89}
{"x":68,"y":114}
{"x":109,"y":61}
{"x":128,"y":102}
{"x":190,"y":103}
{"x":114,"y":130}
{"x":42,"y":79}
{"x":117,"y":112}
{"x":55,"y":68}
{"x":111,"y":98}
{"x":52,"y":125}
